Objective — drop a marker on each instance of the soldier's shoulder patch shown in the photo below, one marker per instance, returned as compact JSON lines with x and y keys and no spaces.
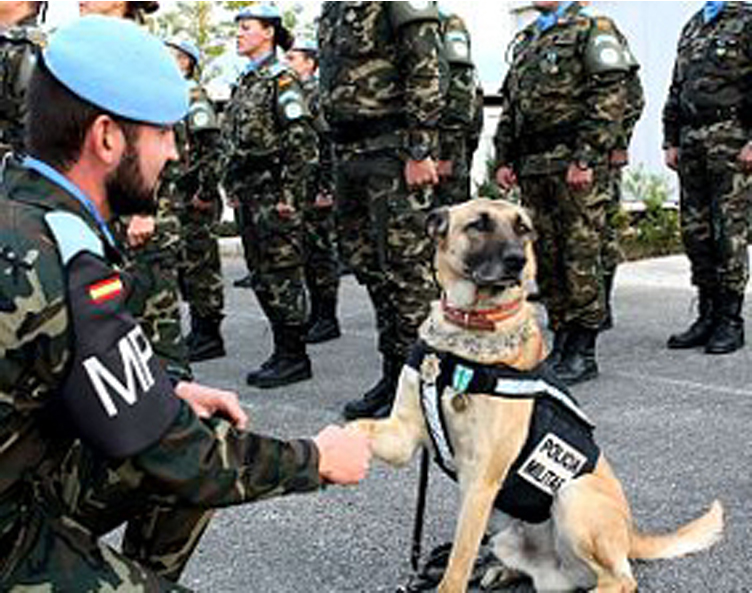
{"x":603,"y":23}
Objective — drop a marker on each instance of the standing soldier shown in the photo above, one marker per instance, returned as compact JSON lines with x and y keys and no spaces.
{"x":190,"y":188}
{"x":321,"y":267}
{"x":382,"y":96}
{"x":564,"y":109}
{"x":706,"y":128}
{"x":84,"y":400}
{"x":271,"y":149}
{"x":20,"y":40}
{"x":462,"y":120}
{"x":152,"y":244}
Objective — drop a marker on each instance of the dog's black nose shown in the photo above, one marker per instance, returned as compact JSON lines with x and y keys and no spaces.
{"x":514,"y":263}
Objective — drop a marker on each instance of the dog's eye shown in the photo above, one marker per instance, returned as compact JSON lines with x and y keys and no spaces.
{"x":521,"y":227}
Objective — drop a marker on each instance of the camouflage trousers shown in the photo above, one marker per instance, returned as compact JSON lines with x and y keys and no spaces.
{"x":274,"y":255}
{"x":60,"y":547}
{"x":612,"y":254}
{"x":155,"y":301}
{"x":715,"y":206}
{"x":571,"y":228}
{"x":201,"y":280}
{"x":381,"y":229}
{"x":322,"y":264}
{"x":455,"y":189}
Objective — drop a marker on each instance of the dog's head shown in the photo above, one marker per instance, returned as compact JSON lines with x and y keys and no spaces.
{"x":484,"y":252}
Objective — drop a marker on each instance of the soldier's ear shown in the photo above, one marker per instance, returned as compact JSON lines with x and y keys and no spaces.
{"x":437,"y":224}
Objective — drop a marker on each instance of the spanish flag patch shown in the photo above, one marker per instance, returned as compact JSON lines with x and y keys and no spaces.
{"x":105,"y":291}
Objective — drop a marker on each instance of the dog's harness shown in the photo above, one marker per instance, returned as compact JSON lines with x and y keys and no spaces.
{"x":560,"y":444}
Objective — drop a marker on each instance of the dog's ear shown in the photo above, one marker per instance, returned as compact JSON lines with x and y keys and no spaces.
{"x":437,"y":224}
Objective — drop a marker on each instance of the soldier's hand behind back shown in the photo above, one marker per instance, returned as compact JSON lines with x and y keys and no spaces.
{"x":506,"y":178}
{"x":421,"y":173}
{"x":671,"y":156}
{"x":745,"y":158}
{"x":344,"y":456}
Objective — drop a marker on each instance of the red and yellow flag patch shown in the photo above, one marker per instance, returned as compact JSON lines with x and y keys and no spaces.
{"x":105,"y":291}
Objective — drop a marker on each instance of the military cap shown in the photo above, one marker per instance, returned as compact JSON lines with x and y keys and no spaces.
{"x":308,"y":46}
{"x":120,"y":68}
{"x":268,"y":12}
{"x":188,"y":48}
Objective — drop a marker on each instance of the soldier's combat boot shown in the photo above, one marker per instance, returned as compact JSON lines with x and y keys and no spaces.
{"x":558,"y":347}
{"x":579,"y":362}
{"x":291,"y":364}
{"x":377,"y":402}
{"x":205,"y":342}
{"x":244,"y":282}
{"x":728,"y":335}
{"x":324,"y":326}
{"x":701,"y":330}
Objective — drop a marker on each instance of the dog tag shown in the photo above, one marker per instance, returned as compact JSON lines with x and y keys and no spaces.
{"x":460,"y":403}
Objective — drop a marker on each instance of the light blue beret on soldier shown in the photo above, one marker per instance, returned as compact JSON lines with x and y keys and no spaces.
{"x":263,"y":11}
{"x":120,"y":68}
{"x":188,"y":48}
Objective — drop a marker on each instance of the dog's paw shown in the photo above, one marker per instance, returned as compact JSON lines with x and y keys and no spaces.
{"x":498,"y":577}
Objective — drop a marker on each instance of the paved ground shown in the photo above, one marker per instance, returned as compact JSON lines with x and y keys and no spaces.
{"x":676,"y":426}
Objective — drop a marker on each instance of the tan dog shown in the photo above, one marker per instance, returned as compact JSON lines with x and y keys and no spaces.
{"x":484,"y":259}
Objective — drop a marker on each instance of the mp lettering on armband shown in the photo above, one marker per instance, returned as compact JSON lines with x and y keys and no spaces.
{"x":552,"y":465}
{"x":135,"y":353}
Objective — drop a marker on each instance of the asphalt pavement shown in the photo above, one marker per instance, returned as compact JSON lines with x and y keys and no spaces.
{"x":675,"y":426}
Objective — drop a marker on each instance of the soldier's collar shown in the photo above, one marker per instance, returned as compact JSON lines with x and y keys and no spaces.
{"x":260,"y":63}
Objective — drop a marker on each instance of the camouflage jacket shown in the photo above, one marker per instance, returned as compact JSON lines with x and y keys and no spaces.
{"x":197,"y":139}
{"x":61,"y":381}
{"x":565,"y":95}
{"x":18,"y":52}
{"x":324,"y":176}
{"x":461,"y":118}
{"x":380,"y":71}
{"x":268,"y":140}
{"x":712,"y":78}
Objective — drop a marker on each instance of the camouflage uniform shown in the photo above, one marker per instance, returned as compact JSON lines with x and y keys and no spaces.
{"x":59,"y":493}
{"x":707,"y":118}
{"x":462,"y":120}
{"x":194,"y":176}
{"x":381,"y":94}
{"x":322,"y":264}
{"x":18,"y":47}
{"x":270,"y":151}
{"x":564,"y":103}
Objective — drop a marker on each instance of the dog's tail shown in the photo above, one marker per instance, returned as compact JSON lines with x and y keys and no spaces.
{"x":696,"y":536}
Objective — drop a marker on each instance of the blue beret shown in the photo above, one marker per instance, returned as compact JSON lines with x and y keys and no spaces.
{"x":263,"y":11}
{"x":187,"y":48}
{"x":120,"y":68}
{"x":307,"y":45}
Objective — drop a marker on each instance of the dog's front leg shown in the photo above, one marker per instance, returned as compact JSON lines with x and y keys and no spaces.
{"x":396,"y":439}
{"x":475,"y":510}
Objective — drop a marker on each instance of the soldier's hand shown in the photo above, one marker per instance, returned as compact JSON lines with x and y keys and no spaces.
{"x":445,"y":169}
{"x":619,"y":159}
{"x":745,"y":158}
{"x":324,"y":201}
{"x":579,"y":179}
{"x":344,"y":455}
{"x":506,"y":178}
{"x":140,"y":230}
{"x":207,"y":402}
{"x":285,"y":210}
{"x":671,"y":156}
{"x":421,"y":173}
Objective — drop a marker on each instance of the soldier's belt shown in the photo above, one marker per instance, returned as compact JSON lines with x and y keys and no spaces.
{"x":357,"y":131}
{"x":698,"y":118}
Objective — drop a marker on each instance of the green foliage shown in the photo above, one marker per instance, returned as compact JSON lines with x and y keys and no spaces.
{"x":490,"y":189}
{"x":655,"y":230}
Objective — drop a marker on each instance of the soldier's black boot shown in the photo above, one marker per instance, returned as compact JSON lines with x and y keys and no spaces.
{"x":244,"y":282}
{"x":291,"y":365}
{"x":205,"y":342}
{"x":701,"y":330}
{"x":558,"y":347}
{"x":579,"y":361}
{"x":728,"y":335}
{"x":377,"y":402}
{"x":325,"y":326}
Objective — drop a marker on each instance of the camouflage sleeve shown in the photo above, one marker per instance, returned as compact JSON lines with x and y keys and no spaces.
{"x":209,"y":465}
{"x":208,"y":152}
{"x":475,"y":130}
{"x":459,"y":111}
{"x":504,"y":139}
{"x":299,"y":157}
{"x":672,"y":120}
{"x":605,"y":101}
{"x":635,"y":107}
{"x":419,"y":48}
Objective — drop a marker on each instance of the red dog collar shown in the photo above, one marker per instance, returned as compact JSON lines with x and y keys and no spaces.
{"x":483,"y":320}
